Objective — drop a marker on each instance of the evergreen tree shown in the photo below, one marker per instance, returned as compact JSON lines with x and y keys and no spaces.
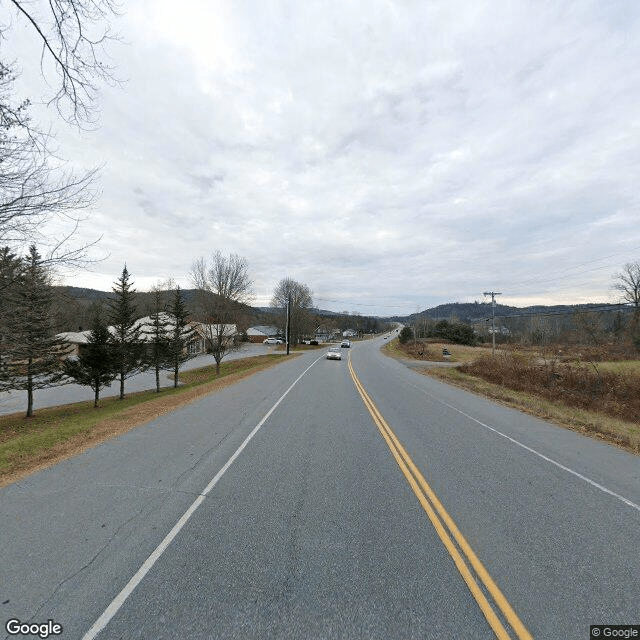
{"x":158,"y":337}
{"x":96,"y":364}
{"x":181,"y":333}
{"x":10,"y":266}
{"x":31,"y":354}
{"x":9,"y":271}
{"x":128,"y":348}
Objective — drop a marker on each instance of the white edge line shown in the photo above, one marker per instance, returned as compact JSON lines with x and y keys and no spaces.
{"x":121,"y":598}
{"x":633,"y":505}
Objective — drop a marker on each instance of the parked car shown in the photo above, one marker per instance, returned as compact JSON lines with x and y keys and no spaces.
{"x":272,"y":341}
{"x":334,"y":354}
{"x":345,"y":344}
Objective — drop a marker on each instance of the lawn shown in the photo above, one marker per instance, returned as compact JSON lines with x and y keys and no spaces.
{"x":55,"y":433}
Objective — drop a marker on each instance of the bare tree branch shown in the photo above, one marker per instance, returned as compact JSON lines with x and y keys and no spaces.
{"x":223,"y":286}
{"x":76,"y":56}
{"x":628,"y":284}
{"x":35,"y":189}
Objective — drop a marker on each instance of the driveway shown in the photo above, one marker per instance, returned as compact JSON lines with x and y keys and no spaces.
{"x":16,"y":401}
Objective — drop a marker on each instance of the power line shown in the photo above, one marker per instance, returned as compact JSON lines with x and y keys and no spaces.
{"x":603,"y":308}
{"x":360,"y":304}
{"x":576,"y":266}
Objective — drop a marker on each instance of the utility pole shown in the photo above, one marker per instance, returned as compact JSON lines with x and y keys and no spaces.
{"x":493,"y":295}
{"x":288,"y":327}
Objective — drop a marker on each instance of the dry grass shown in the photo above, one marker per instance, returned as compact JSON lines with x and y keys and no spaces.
{"x":575,"y":387}
{"x":628,"y":367}
{"x":431,"y":351}
{"x":57,"y":433}
{"x":582,"y":385}
{"x":622,"y":433}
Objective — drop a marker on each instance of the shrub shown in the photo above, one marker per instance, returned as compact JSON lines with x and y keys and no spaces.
{"x":455,"y":332}
{"x":577,"y":385}
{"x":405,"y":335}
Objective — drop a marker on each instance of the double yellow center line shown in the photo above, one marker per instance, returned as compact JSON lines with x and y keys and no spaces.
{"x":465,"y":559}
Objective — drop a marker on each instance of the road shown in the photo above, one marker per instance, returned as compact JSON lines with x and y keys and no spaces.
{"x":279,"y":508}
{"x":16,"y":401}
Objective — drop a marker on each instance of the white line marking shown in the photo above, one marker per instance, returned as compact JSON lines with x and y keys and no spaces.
{"x":633,"y":505}
{"x":121,"y":598}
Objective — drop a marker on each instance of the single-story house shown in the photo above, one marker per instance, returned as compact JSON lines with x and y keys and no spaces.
{"x":207,"y":333}
{"x":75,"y":340}
{"x":202,"y":334}
{"x":261,"y":332}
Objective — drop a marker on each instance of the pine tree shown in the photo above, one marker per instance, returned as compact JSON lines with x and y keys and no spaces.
{"x":32,"y":355}
{"x":158,"y":337}
{"x":96,"y":364}
{"x":10,"y":266}
{"x":9,"y":271}
{"x":128,"y":348}
{"x":181,"y":334}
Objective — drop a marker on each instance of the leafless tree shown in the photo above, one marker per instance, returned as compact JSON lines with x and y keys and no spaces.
{"x":223,"y":286}
{"x":300,"y":300}
{"x":35,"y":186}
{"x":35,"y":189}
{"x":628,"y":284}
{"x":73,"y":35}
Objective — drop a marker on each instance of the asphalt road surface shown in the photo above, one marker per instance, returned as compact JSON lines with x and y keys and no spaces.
{"x":329,"y":499}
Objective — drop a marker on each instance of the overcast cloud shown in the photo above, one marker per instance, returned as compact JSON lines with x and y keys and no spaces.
{"x":392,"y":155}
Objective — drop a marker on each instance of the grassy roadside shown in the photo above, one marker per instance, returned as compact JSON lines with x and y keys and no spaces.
{"x":56,"y":433}
{"x":622,"y":433}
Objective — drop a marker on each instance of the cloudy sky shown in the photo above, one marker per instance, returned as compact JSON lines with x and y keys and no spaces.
{"x":393,"y":155}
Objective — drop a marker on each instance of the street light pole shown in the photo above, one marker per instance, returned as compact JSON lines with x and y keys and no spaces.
{"x":493,"y":295}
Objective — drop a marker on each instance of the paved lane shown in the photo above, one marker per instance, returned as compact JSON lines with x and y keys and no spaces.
{"x":313,"y":531}
{"x":563,"y":549}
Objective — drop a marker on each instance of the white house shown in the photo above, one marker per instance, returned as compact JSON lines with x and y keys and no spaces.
{"x":261,"y":332}
{"x":197,"y":343}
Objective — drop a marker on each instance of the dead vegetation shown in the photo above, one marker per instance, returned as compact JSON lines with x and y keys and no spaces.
{"x":578,"y":384}
{"x":431,"y":350}
{"x":592,"y":389}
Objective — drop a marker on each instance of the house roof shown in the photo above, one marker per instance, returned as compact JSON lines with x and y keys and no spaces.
{"x":206,"y":330}
{"x":145,"y":326}
{"x":74,"y":337}
{"x":263,"y":330}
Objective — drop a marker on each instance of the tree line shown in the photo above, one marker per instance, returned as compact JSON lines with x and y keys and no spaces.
{"x":35,"y":355}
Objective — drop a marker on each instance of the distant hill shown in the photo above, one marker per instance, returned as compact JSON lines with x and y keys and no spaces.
{"x":471,"y":312}
{"x":75,"y":303}
{"x":75,"y":306}
{"x":75,"y":310}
